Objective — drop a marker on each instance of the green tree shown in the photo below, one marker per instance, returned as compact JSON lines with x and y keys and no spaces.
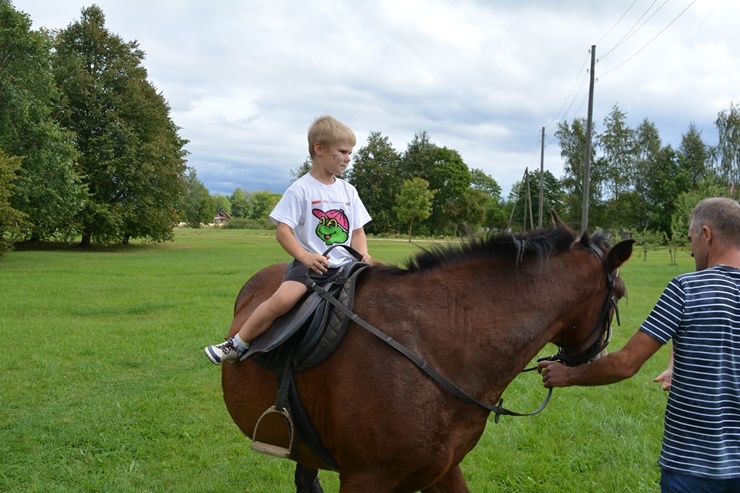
{"x":495,"y":213}
{"x":131,"y":157}
{"x":301,"y":169}
{"x":520,"y":202}
{"x":467,"y":212}
{"x":451,"y":181}
{"x":649,"y":240}
{"x":11,"y":220}
{"x":419,"y":159}
{"x":572,"y":141}
{"x":728,"y":147}
{"x":618,"y":146}
{"x":198,"y":205}
{"x":414,"y":202}
{"x":375,"y":175}
{"x":632,"y":208}
{"x":241,"y":205}
{"x":48,"y":188}
{"x":552,"y":195}
{"x":221,"y":203}
{"x":647,"y":148}
{"x":484,"y":182}
{"x":666,"y":181}
{"x":694,"y":156}
{"x":263,"y":202}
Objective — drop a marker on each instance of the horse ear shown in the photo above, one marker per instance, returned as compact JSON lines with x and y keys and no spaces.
{"x":559,"y":224}
{"x":619,"y":254}
{"x":556,"y":219}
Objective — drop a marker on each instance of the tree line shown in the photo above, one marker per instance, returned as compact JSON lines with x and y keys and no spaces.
{"x":638,"y":186}
{"x":88,"y":150}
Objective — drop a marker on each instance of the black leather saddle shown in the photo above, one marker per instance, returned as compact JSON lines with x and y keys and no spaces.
{"x":312,"y":330}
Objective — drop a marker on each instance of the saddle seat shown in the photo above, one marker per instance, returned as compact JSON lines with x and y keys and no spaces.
{"x":310,"y":331}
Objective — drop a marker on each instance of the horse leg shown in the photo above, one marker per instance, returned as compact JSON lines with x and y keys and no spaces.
{"x":307,"y":480}
{"x":452,"y":482}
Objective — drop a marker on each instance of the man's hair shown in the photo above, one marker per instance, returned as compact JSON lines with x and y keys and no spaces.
{"x":722,"y":215}
{"x":328,"y":130}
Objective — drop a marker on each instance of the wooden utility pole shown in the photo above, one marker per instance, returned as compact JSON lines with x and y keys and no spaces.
{"x":529,"y":200}
{"x":542,"y":175}
{"x":587,"y":157}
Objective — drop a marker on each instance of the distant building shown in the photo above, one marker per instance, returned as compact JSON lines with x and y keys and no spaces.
{"x":221,"y":217}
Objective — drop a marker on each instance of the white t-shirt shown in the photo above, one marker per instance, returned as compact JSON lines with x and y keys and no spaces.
{"x":322,"y":215}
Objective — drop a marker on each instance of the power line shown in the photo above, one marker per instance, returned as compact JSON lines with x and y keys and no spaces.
{"x":615,"y":24}
{"x":631,"y":31}
{"x":580,"y":71}
{"x":649,"y":42}
{"x":550,"y":140}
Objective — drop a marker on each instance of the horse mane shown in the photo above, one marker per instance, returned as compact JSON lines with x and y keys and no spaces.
{"x":539,"y":243}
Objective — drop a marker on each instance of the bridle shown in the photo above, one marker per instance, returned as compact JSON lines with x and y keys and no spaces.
{"x":602,"y":324}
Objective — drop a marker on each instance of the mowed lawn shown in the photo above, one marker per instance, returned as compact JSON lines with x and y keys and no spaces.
{"x":104,"y":386}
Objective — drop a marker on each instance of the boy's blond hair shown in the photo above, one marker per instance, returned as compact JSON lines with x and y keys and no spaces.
{"x":329,"y":131}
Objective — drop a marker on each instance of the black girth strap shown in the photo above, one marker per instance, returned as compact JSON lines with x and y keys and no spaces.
{"x":289,"y":400}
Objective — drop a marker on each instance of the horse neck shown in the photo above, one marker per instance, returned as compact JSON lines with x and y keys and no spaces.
{"x":521,"y":309}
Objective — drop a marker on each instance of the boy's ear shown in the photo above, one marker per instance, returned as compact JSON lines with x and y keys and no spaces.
{"x":318,"y":147}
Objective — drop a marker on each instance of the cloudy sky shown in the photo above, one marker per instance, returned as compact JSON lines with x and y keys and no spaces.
{"x":245,"y":78}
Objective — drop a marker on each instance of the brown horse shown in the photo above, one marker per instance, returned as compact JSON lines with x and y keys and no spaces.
{"x":476,"y":313}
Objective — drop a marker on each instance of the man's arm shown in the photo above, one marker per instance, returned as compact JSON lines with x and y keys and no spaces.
{"x":612,"y":368}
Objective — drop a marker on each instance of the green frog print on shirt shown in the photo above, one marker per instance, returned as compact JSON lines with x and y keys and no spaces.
{"x":333,"y":226}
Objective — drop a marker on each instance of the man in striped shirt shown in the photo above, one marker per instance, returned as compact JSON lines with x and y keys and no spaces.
{"x":700,"y":313}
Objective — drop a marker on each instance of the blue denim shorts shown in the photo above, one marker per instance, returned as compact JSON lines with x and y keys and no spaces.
{"x":671,"y":482}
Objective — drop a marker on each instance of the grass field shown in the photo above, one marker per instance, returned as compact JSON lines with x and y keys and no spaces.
{"x":104,"y":386}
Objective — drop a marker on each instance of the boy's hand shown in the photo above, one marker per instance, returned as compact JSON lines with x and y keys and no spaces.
{"x":316,"y":262}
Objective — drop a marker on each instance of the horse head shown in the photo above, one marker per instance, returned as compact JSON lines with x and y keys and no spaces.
{"x":588,"y":330}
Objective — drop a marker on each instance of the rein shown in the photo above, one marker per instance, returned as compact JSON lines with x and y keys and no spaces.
{"x":497,"y":409}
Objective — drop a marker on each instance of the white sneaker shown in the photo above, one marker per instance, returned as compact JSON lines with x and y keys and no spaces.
{"x":226,"y":352}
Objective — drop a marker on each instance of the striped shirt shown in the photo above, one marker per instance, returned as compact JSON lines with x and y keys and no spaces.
{"x":700,"y":311}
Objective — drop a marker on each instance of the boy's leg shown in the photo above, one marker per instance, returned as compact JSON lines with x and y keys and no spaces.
{"x":280,"y":303}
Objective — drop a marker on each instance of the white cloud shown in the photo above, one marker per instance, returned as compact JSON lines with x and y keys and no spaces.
{"x":244,"y":79}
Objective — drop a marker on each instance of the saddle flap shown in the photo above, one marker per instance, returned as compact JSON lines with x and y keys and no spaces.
{"x":285,"y":326}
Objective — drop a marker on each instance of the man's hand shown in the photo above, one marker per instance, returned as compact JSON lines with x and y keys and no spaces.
{"x":665,"y":379}
{"x":554,"y":374}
